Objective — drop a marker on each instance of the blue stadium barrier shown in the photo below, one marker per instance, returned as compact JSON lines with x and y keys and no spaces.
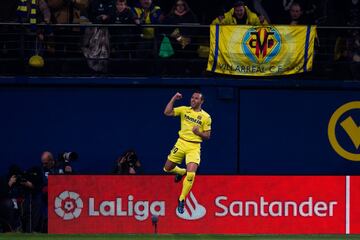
{"x":259,"y":126}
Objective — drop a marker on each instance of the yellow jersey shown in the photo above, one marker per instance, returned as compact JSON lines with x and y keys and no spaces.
{"x":188,"y":119}
{"x":148,"y":16}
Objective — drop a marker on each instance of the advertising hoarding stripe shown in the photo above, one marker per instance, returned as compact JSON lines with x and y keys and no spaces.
{"x":217,"y":205}
{"x":347,"y":224}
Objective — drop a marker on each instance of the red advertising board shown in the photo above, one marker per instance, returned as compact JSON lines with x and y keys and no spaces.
{"x":216,"y":204}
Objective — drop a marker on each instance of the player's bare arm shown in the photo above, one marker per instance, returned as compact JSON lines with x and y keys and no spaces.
{"x":169,"y":109}
{"x":204,"y":135}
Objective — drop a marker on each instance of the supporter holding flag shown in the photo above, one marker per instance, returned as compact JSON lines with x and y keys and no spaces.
{"x":240,"y":14}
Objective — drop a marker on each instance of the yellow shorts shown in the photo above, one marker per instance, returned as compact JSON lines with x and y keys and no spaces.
{"x":189,"y":150}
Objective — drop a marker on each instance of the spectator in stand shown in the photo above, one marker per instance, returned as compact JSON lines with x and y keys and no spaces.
{"x":99,"y":11}
{"x":296,"y":15}
{"x":181,"y":38}
{"x":312,"y":10}
{"x":65,"y":38}
{"x":33,"y":12}
{"x":28,"y":11}
{"x":181,"y":14}
{"x":148,"y":13}
{"x":122,"y":14}
{"x":240,"y":15}
{"x":122,"y":37}
{"x":66,"y":11}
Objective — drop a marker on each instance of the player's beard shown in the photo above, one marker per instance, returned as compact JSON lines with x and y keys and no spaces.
{"x":195,"y":105}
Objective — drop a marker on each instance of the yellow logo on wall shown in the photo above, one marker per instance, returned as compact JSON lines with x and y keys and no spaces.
{"x":351,"y":129}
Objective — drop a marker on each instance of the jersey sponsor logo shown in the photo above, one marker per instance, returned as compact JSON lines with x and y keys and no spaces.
{"x":193,"y":210}
{"x":191,"y":119}
{"x":344,"y":131}
{"x":68,"y":205}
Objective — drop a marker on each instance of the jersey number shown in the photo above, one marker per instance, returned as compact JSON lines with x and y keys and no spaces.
{"x":174,"y":150}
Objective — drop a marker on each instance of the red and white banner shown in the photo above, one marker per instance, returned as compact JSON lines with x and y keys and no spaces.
{"x":216,"y":204}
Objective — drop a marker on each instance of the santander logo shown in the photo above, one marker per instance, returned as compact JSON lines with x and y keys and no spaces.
{"x":68,"y":205}
{"x":193,"y":210}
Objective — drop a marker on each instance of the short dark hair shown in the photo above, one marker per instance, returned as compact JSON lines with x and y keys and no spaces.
{"x":296,"y":4}
{"x":199,"y":92}
{"x":239,"y":4}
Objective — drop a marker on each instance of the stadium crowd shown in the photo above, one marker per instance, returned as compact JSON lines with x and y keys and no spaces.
{"x":98,"y":44}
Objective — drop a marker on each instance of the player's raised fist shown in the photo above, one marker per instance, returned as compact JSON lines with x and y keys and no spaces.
{"x":177,"y":96}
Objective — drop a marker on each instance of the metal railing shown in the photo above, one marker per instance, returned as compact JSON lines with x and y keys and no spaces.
{"x":131,"y":53}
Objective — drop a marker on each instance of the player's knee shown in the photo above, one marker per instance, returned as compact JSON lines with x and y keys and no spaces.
{"x":167,"y":169}
{"x":190,"y":176}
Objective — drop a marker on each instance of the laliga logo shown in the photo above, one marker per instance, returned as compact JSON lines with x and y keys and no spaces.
{"x":261,"y":44}
{"x":193,"y":211}
{"x":68,"y":205}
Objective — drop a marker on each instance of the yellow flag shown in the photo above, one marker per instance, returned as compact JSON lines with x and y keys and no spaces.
{"x":261,"y":50}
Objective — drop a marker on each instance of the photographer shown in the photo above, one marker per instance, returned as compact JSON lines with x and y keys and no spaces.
{"x":52,"y":166}
{"x":15,"y":196}
{"x":9,"y":211}
{"x":128,"y":163}
{"x":23,"y":201}
{"x":21,"y":204}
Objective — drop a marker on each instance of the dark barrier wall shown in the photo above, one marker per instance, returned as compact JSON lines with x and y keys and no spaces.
{"x":287,"y":131}
{"x":100,"y":123}
{"x":255,"y":130}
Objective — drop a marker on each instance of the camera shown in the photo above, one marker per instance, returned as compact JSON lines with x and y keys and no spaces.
{"x":67,"y":157}
{"x":127,"y":163}
{"x":131,"y":158}
{"x":64,"y":161}
{"x":21,"y":177}
{"x":24,"y":176}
